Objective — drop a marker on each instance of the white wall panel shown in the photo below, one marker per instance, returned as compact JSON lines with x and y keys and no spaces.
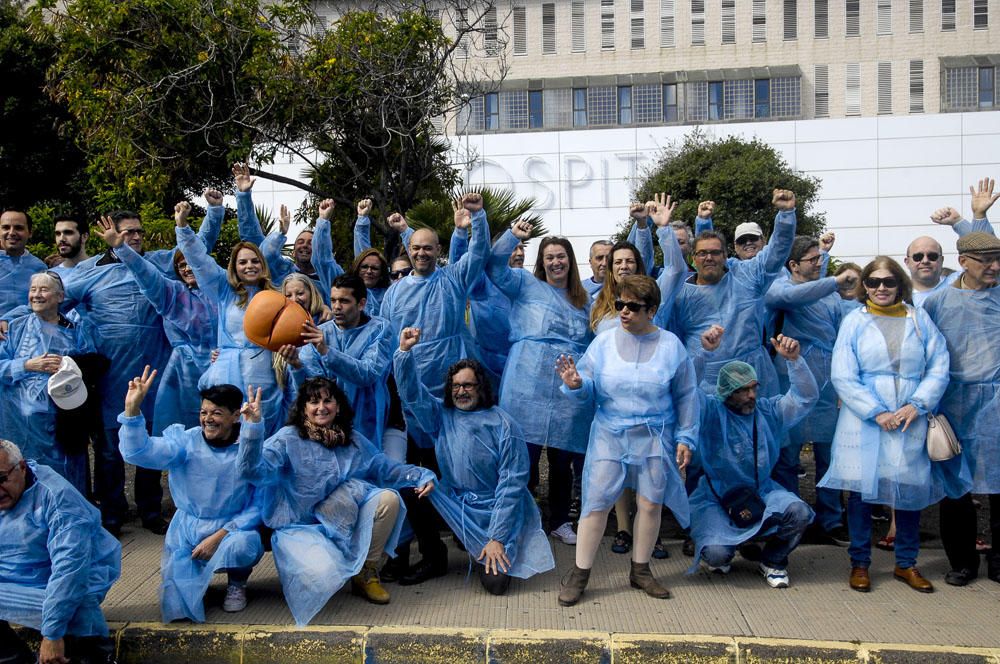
{"x":922,"y":151}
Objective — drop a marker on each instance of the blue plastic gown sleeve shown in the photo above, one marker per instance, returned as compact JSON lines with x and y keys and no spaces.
{"x":703,"y":224}
{"x":459,"y":245}
{"x":512,"y":478}
{"x":367,"y":369}
{"x":159,"y":290}
{"x":824,"y":263}
{"x":674,"y":271}
{"x":11,"y":366}
{"x":425,"y":406}
{"x":845,"y":373}
{"x":246,"y":219}
{"x":323,"y":260}
{"x":257,"y":463}
{"x":786,"y":295}
{"x":211,"y":226}
{"x":70,"y":543}
{"x":249,"y":518}
{"x":802,"y":395}
{"x":280,"y":265}
{"x":155,"y":452}
{"x":584,"y":367}
{"x":210,"y":275}
{"x":964,"y":227}
{"x":387,"y":473}
{"x":687,"y":405}
{"x":497,"y":269}
{"x":938,"y":364}
{"x":362,"y":235}
{"x":767,"y":265}
{"x":642,"y":238}
{"x":468,"y":268}
{"x":24,"y":310}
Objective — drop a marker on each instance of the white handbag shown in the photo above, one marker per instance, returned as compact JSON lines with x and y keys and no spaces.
{"x":942,"y":443}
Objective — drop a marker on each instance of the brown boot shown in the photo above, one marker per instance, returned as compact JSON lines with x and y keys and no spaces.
{"x":367,"y":585}
{"x":572,"y":586}
{"x":641,"y":577}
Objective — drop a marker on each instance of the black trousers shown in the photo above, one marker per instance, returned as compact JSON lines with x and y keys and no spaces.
{"x":562,"y":464}
{"x":958,"y":530}
{"x":424,"y":519}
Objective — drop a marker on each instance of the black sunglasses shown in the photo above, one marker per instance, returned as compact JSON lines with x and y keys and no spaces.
{"x":747,"y":239}
{"x":399,"y":274}
{"x":932,"y":256}
{"x":876,"y":282}
{"x":634,"y":307}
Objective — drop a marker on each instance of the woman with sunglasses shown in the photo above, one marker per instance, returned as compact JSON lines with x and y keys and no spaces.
{"x":645,"y":427}
{"x":890,"y":368}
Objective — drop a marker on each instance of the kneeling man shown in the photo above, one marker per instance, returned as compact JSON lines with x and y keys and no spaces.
{"x":215,"y":526}
{"x":56,"y":565}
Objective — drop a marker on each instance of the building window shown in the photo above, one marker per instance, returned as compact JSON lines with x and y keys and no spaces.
{"x":947,"y":15}
{"x":490,"y":42}
{"x":625,"y":105}
{"x":520,"y":31}
{"x":852,"y":25}
{"x":580,"y":107}
{"x":916,"y":15}
{"x":601,"y":106}
{"x":514,"y":109}
{"x":759,"y":21}
{"x":821,"y":91}
{"x":822,"y":19}
{"x":786,"y":97}
{"x":883,"y":18}
{"x":470,"y":117}
{"x":916,"y":86}
{"x":715,"y":100}
{"x":697,"y":22}
{"x":535,"y":113}
{"x":740,"y":99}
{"x":987,"y":87}
{"x":491,"y":111}
{"x":884,"y":88}
{"x":980,"y":14}
{"x":762,"y":98}
{"x":607,"y":24}
{"x":557,"y":108}
{"x":696,"y":98}
{"x":647,"y":104}
{"x":638,"y":24}
{"x":670,"y":113}
{"x":462,"y":26}
{"x":728,"y":21}
{"x":666,"y":23}
{"x":852,"y":89}
{"x":578,"y":26}
{"x":791,"y":20}
{"x":548,"y":28}
{"x":737,"y":99}
{"x":969,"y":88}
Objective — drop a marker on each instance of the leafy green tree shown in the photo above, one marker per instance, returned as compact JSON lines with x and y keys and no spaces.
{"x":738,"y":174}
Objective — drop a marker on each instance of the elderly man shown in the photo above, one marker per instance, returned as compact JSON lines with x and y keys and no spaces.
{"x":598,"y":265}
{"x":968,"y":315}
{"x":16,"y":264}
{"x":736,"y":500}
{"x":56,"y":566}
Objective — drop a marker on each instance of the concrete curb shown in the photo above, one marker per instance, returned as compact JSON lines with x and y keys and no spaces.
{"x":155,"y":643}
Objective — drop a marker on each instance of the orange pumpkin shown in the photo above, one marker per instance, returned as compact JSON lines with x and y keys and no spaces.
{"x":273,"y":321}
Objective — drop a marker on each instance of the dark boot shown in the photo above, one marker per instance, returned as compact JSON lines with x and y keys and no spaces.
{"x":91,"y":650}
{"x":12,"y":649}
{"x":398,"y":567}
{"x":572,"y":586}
{"x":993,"y":566}
{"x":641,"y":577}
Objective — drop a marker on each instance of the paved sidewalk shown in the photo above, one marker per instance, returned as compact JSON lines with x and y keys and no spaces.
{"x":817,"y":607}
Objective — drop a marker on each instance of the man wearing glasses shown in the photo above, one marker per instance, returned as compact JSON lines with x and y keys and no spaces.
{"x":56,"y":566}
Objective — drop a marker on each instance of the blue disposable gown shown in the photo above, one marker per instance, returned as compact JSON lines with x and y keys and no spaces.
{"x":56,"y":562}
{"x":646,"y":394}
{"x":297,"y":473}
{"x":543,"y":326}
{"x":968,"y":320}
{"x":813,"y":311}
{"x":26,"y":411}
{"x":886,"y":467}
{"x":736,"y":303}
{"x":591,"y":286}
{"x":190,"y":321}
{"x":725,"y":453}
{"x":436,"y":305}
{"x":323,"y":260}
{"x":359,"y":360}
{"x":362,"y":242}
{"x":240,"y":362}
{"x":483,"y":494}
{"x":15,"y":279}
{"x":209,"y":494}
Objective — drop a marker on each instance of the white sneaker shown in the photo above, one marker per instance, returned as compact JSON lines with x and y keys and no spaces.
{"x":776,"y":578}
{"x":724,"y":569}
{"x":565,"y":534}
{"x":236,"y":598}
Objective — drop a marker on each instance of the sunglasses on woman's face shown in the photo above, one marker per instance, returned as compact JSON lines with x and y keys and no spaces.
{"x":634,"y":307}
{"x":876,"y":282}
{"x":399,"y":274}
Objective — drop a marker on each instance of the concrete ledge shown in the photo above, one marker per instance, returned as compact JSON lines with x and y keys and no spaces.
{"x":154,"y":643}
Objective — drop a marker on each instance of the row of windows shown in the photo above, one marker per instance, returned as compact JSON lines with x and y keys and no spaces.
{"x":625,"y":105}
{"x":664,"y":22}
{"x":970,"y":88}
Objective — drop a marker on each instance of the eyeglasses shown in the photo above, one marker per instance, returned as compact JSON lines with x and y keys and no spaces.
{"x":634,"y":307}
{"x":747,"y":239}
{"x":4,"y":476}
{"x":714,"y":253}
{"x":876,"y":282}
{"x":468,"y":387}
{"x":812,"y":259}
{"x":132,"y":231}
{"x":985,"y":260}
{"x":399,"y":274}
{"x":932,"y":256}
{"x":369,"y":268}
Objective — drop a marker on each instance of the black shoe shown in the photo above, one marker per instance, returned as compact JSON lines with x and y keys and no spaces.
{"x":688,"y":548}
{"x":837,"y":536}
{"x":574,"y":509}
{"x":424,"y":571}
{"x":395,"y":569}
{"x":156,"y":525}
{"x":993,"y":567}
{"x":960,"y":577}
{"x":622,"y":543}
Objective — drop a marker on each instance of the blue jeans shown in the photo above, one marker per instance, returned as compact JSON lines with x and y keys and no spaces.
{"x":829,"y":512}
{"x":791,"y":523}
{"x":859,"y":525}
{"x":109,"y":483}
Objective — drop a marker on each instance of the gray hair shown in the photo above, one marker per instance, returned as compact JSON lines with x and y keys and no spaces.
{"x":677,"y":225}
{"x":55,"y":281}
{"x":12,"y":451}
{"x":600,"y":243}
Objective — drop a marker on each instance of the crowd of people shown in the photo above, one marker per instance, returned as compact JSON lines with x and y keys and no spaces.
{"x":423,"y":391}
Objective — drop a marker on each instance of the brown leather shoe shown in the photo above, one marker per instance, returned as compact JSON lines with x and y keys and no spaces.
{"x":912,"y":577}
{"x":860,"y":580}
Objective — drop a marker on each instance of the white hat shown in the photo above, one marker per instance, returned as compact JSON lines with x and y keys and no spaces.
{"x":748,"y":228}
{"x":66,"y":386}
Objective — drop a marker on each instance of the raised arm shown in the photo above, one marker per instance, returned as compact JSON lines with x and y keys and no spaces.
{"x":803,"y":392}
{"x":766,"y":265}
{"x":703,"y":222}
{"x":255,"y":463}
{"x":210,"y":275}
{"x":426,"y":408}
{"x":362,"y":228}
{"x":468,"y":268}
{"x":508,"y":281}
{"x":323,"y":260}
{"x":162,"y":293}
{"x":211,"y":225}
{"x":787,"y":295}
{"x":246,"y":215}
{"x":639,"y":235}
{"x":674,"y":268}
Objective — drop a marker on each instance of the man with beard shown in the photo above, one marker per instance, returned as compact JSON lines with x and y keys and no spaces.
{"x":71,"y":244}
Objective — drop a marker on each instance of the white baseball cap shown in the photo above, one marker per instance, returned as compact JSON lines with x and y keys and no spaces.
{"x":66,"y":386}
{"x":748,"y":228}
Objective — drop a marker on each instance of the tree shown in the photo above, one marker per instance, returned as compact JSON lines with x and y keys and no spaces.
{"x":739,"y":175}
